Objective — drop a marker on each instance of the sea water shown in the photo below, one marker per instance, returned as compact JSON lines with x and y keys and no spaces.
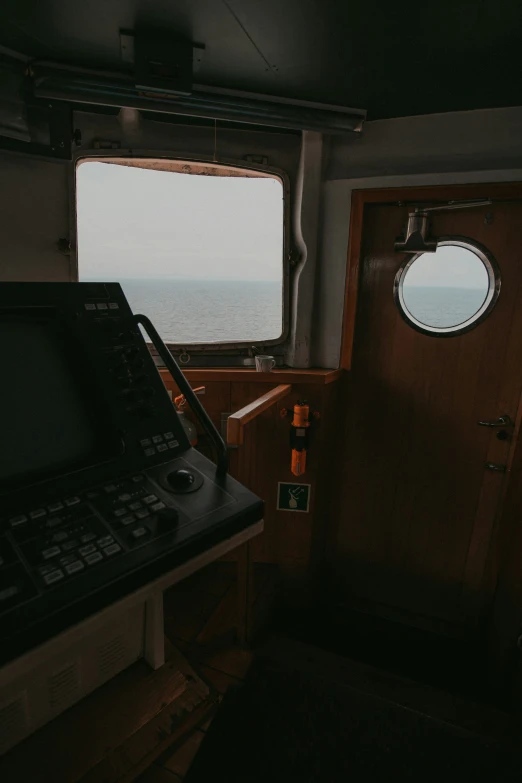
{"x":442,"y":307}
{"x":192,"y":311}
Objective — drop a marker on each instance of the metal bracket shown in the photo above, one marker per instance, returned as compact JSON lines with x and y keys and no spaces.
{"x":417,"y":228}
{"x":127,"y":50}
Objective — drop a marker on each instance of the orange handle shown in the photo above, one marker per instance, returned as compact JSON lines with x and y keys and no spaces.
{"x":298,"y":465}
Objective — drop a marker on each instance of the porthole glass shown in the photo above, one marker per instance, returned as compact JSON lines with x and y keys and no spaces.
{"x":449,"y":291}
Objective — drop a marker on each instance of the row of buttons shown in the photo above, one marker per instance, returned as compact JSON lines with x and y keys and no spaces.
{"x":157,"y":445}
{"x":39,"y":513}
{"x":128,"y":514}
{"x":139,"y":478}
{"x":102,"y":306}
{"x":73,"y":564}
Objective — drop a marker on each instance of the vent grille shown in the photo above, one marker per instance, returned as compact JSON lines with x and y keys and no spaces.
{"x":13,"y":723}
{"x":64,"y":687}
{"x":111,"y":656}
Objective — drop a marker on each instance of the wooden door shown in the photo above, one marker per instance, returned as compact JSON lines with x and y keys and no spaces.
{"x":419,"y":515}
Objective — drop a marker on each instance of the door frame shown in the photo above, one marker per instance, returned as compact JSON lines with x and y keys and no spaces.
{"x":505,"y":558}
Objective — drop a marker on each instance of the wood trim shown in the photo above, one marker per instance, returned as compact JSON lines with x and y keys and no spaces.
{"x":500,"y":191}
{"x":318,"y":377}
{"x":352,"y":278}
{"x":237,"y":421}
{"x":495,"y":191}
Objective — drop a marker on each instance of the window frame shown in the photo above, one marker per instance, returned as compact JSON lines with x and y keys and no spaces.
{"x":494,"y":285}
{"x":238,"y":353}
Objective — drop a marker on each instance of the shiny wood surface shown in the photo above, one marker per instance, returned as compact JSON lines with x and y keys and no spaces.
{"x":419,"y":521}
{"x":236,"y":375}
{"x":292,"y":540}
{"x":238,"y":420}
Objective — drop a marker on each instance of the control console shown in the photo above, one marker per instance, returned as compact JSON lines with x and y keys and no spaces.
{"x":100,"y":491}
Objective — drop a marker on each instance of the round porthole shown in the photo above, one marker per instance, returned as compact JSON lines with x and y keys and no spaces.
{"x":450,"y":291}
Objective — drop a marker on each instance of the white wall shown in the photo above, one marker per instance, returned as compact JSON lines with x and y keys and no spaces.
{"x":33,"y":217}
{"x":455,"y":148}
{"x":461,"y":147}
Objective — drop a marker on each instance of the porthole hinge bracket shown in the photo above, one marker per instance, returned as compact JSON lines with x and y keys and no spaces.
{"x":416,"y":238}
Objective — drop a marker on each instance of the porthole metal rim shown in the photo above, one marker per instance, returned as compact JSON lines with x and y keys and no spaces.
{"x":490,"y":300}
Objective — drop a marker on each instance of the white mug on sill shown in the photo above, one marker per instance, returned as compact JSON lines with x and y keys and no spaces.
{"x":265,"y":363}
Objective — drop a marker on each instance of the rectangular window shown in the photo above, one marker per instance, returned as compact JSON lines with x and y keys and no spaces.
{"x":197,"y":247}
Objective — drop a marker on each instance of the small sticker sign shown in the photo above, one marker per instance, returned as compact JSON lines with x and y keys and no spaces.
{"x":293,"y":497}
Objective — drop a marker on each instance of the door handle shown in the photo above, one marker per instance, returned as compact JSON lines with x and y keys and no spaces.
{"x":502,"y":421}
{"x":495,"y":466}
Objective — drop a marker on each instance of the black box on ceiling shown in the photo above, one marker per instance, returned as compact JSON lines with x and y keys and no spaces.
{"x":163,"y":64}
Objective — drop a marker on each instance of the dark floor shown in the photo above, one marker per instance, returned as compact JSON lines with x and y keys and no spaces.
{"x":200,"y":617}
{"x":402,"y":665}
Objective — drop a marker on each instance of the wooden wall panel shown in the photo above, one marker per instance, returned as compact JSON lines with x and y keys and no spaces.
{"x":262,"y":462}
{"x":292,"y":540}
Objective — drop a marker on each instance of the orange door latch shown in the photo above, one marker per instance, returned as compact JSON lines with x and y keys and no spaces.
{"x":299,"y":434}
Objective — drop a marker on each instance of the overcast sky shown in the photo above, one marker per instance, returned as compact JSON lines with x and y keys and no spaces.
{"x":139,"y":223}
{"x":452,"y":267}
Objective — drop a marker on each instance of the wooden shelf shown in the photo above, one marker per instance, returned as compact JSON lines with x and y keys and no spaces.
{"x":319,"y":377}
{"x":237,"y":421}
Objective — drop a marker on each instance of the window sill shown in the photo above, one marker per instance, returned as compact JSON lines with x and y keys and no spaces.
{"x":318,"y":377}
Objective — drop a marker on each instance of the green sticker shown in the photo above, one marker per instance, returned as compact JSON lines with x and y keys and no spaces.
{"x":293,"y":497}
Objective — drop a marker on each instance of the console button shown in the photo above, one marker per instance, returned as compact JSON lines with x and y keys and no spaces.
{"x":53,"y":576}
{"x":150,"y":499}
{"x":112,"y":549}
{"x":172,"y":444}
{"x":128,"y":520}
{"x":150,"y":451}
{"x":87,"y":537}
{"x":51,"y":552}
{"x":72,"y":568}
{"x":87,"y":550}
{"x":38,"y":513}
{"x":135,"y":506}
{"x":69,"y":545}
{"x":62,"y":536}
{"x":72,"y":501}
{"x":158,"y":506}
{"x":168,"y":435}
{"x":119,"y":512}
{"x":139,"y":533}
{"x":157,"y":439}
{"x":162,"y":447}
{"x":145,"y":442}
{"x":105,"y":541}
{"x":21,"y":519}
{"x":55,"y":507}
{"x":94,"y":558}
{"x":142,"y":513}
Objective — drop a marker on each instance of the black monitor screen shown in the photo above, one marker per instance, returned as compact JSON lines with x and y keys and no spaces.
{"x":47,"y":419}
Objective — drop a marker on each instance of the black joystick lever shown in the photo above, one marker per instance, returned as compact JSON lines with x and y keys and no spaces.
{"x":167,"y":518}
{"x":186,"y":389}
{"x":182,"y":480}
